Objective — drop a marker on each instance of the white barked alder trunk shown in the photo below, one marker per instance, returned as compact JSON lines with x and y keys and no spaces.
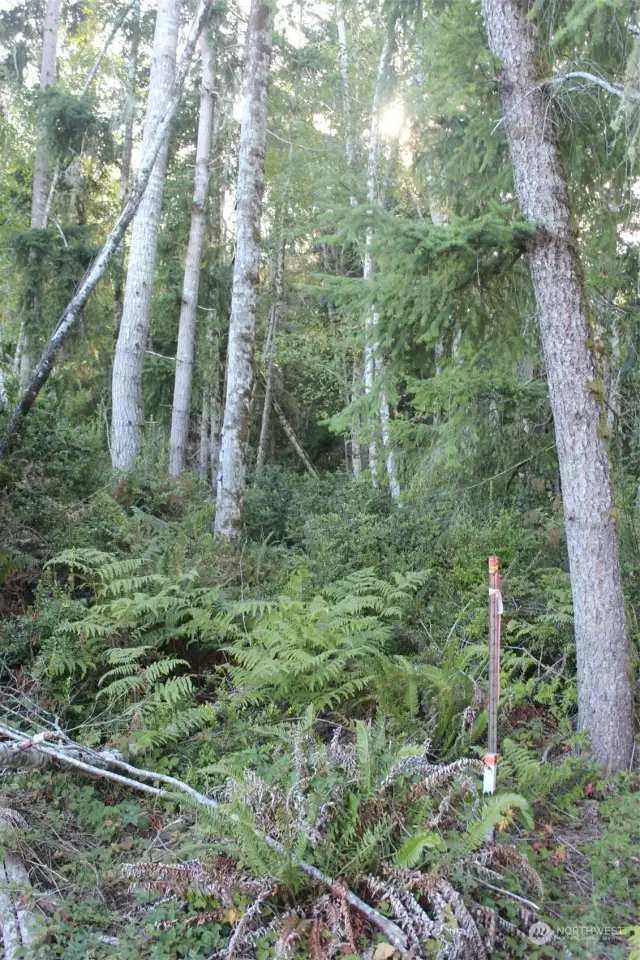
{"x":236,"y":422}
{"x":269,"y":352}
{"x":96,"y":271}
{"x":209,"y":448}
{"x":25,"y":351}
{"x":605,"y":692}
{"x":349,"y":146}
{"x":373,"y":366}
{"x":181,"y":409}
{"x":127,"y":410}
{"x":127,"y":149}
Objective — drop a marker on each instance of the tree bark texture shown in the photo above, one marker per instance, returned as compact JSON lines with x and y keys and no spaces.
{"x":187,"y":328}
{"x":20,"y":926}
{"x":346,"y":87}
{"x":215,"y":417}
{"x":96,"y":271}
{"x":371,"y":360}
{"x":203,"y":451}
{"x":602,"y":643}
{"x":127,"y":402}
{"x":270,"y":350}
{"x":373,"y":164}
{"x":41,"y":172}
{"x":356,"y":449}
{"x":385,"y":430}
{"x":127,"y":150}
{"x":349,"y":146}
{"x":3,"y":376}
{"x":237,"y":417}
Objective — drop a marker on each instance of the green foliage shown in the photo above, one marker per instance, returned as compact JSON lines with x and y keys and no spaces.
{"x":70,"y":122}
{"x":319,"y":652}
{"x":142,"y":634}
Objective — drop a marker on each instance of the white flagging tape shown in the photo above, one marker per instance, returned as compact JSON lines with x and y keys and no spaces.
{"x":494,"y":592}
{"x":490,"y":772}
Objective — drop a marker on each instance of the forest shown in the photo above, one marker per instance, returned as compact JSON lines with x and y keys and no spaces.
{"x":319,"y":479}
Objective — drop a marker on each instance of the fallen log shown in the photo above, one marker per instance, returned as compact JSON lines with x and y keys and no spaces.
{"x":20,"y":926}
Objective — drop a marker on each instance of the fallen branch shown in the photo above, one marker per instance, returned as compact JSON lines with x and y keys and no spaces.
{"x":100,"y":264}
{"x":289,"y":431}
{"x":292,"y":438}
{"x":100,"y":768}
{"x":9,"y":749}
{"x":614,"y":88}
{"x":21,"y":928}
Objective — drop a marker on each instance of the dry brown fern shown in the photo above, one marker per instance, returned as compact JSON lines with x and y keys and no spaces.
{"x":441,"y":774}
{"x":218,"y":878}
{"x":471,"y":713}
{"x":316,"y":945}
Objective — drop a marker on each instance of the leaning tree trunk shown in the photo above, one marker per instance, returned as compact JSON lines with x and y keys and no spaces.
{"x":187,"y":327}
{"x":127,"y":151}
{"x":98,"y":268}
{"x":237,"y":416}
{"x":604,"y":670}
{"x":25,"y":358}
{"x":127,"y":403}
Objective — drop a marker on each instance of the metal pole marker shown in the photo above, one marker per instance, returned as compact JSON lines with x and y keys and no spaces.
{"x":495,"y":630}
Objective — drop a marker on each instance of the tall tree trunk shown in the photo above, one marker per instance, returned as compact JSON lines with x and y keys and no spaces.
{"x":276,"y":312}
{"x":604,"y":671}
{"x":371,"y":362}
{"x":370,"y":375}
{"x":3,"y":376}
{"x":349,"y":146}
{"x":41,"y":173}
{"x":187,"y":328}
{"x":127,"y":403}
{"x":97,"y":269}
{"x":215,"y":412}
{"x":203,"y":453}
{"x":346,"y":88}
{"x":127,"y":151}
{"x":385,"y":430}
{"x":356,"y":449}
{"x":242,"y":325}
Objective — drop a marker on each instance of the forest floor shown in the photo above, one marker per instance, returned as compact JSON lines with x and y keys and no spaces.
{"x":327,"y":688}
